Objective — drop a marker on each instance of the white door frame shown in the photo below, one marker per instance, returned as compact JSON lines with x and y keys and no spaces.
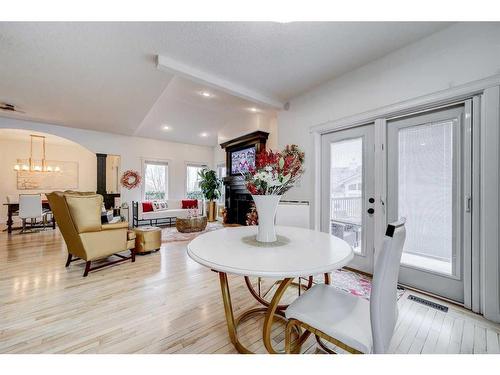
{"x":486,"y":186}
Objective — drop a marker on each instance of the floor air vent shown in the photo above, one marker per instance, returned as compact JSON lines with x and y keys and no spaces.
{"x":425,"y":302}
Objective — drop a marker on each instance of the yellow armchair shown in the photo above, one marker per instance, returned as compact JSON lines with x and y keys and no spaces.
{"x":78,"y":216}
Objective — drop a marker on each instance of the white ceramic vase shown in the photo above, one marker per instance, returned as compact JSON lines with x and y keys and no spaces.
{"x":266,"y":209}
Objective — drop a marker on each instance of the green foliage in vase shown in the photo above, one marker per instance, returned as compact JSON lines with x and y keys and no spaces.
{"x":209,"y":184}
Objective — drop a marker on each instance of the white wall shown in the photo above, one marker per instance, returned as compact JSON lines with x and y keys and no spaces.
{"x":459,"y":54}
{"x":462,"y":53}
{"x":131,"y":149}
{"x":12,"y":149}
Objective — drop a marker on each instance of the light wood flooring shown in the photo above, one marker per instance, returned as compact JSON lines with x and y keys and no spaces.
{"x":167,"y":303}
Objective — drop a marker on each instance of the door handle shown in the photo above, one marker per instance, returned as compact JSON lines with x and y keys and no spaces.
{"x":468,"y":203}
{"x":371,"y":211}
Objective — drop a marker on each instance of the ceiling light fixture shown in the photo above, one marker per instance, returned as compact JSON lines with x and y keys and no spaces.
{"x":206,"y":94}
{"x":204,"y":134}
{"x":36,"y":165}
{"x":166,"y":127}
{"x":253,"y":109}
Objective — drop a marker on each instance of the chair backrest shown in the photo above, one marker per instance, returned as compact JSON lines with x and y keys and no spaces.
{"x":85,"y":211}
{"x":383,"y":298}
{"x":30,"y":206}
{"x":61,"y":211}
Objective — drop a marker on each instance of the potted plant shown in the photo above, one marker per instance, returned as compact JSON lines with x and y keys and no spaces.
{"x":210,"y":187}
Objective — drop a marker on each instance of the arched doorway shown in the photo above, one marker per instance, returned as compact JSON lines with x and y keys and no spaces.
{"x":76,"y":165}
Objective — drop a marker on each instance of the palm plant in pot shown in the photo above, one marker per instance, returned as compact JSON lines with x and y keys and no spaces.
{"x":210,"y":186}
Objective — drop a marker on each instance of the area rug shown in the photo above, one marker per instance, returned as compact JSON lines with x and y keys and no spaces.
{"x":355,"y":283}
{"x":171,"y":234}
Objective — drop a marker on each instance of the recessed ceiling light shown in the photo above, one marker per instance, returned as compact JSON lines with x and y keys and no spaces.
{"x":206,"y":94}
{"x":253,"y":109}
{"x":166,"y":127}
{"x":204,"y":134}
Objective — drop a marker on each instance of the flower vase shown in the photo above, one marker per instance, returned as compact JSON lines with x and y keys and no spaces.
{"x":266,"y":209}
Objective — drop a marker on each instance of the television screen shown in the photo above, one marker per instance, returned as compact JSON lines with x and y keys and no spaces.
{"x":241,"y":160}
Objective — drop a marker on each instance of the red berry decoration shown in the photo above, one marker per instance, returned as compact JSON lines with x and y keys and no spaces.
{"x":130,"y":179}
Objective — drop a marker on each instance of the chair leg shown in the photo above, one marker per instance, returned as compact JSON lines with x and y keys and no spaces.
{"x":132,"y":254}
{"x":87,"y":269}
{"x":288,"y":337}
{"x":296,"y":346}
{"x":70,"y":256}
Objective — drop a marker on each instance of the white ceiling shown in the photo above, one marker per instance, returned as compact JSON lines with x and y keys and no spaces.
{"x":102,"y":76}
{"x":24,"y":136}
{"x":188,"y":114}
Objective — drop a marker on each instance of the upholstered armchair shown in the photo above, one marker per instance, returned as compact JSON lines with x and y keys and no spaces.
{"x":78,"y":216}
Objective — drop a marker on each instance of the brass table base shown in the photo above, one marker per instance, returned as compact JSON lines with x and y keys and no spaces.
{"x":271,"y":309}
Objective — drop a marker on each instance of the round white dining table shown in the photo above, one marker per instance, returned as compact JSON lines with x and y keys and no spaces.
{"x":297,"y":253}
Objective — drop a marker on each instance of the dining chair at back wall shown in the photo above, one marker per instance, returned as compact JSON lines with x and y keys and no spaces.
{"x":30,"y":208}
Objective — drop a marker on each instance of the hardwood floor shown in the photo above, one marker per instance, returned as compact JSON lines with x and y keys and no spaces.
{"x":167,"y":303}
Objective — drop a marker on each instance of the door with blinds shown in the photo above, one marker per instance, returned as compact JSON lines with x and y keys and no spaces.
{"x":429,"y":183}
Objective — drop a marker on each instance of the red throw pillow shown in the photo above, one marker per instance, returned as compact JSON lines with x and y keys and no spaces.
{"x":147,"y":206}
{"x":189,"y":203}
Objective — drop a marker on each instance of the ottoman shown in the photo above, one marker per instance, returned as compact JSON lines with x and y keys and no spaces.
{"x":147,"y":239}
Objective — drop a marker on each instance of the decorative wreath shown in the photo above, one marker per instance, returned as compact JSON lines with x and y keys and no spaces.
{"x":130,"y":179}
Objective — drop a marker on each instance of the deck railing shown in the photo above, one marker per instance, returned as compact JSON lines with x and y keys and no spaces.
{"x":346,"y":209}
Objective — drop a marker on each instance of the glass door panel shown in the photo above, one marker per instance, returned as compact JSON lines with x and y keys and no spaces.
{"x":347,"y":190}
{"x":425,"y":195}
{"x":346,"y":186}
{"x":426,"y":156}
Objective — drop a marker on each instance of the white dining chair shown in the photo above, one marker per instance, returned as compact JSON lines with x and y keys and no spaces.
{"x":30,"y":208}
{"x":353,"y":323}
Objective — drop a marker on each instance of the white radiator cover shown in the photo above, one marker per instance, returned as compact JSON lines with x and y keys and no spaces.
{"x":293,"y":213}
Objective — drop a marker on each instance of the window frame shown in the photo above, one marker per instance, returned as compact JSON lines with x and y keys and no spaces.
{"x":191,"y":164}
{"x":154,"y":161}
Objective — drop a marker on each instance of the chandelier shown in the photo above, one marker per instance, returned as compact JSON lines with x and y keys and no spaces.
{"x":36,"y":165}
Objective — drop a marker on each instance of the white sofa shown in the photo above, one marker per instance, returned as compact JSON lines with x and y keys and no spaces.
{"x":162,"y":217}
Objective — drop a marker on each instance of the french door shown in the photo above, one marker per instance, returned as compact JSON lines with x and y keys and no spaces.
{"x":347,"y":190}
{"x":429,"y":183}
{"x":428,"y":179}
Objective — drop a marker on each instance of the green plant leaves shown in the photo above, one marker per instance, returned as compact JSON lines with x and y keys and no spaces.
{"x":209,"y":184}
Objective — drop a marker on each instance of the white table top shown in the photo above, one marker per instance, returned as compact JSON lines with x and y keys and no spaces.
{"x":303,"y":252}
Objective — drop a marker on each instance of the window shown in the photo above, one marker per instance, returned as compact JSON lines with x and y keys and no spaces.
{"x":425,"y":194}
{"x":221,"y":170}
{"x":221,"y":173}
{"x":155,"y":180}
{"x":192,"y":181}
{"x":346,"y":218}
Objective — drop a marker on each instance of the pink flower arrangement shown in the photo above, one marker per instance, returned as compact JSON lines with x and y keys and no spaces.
{"x":275,"y":172}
